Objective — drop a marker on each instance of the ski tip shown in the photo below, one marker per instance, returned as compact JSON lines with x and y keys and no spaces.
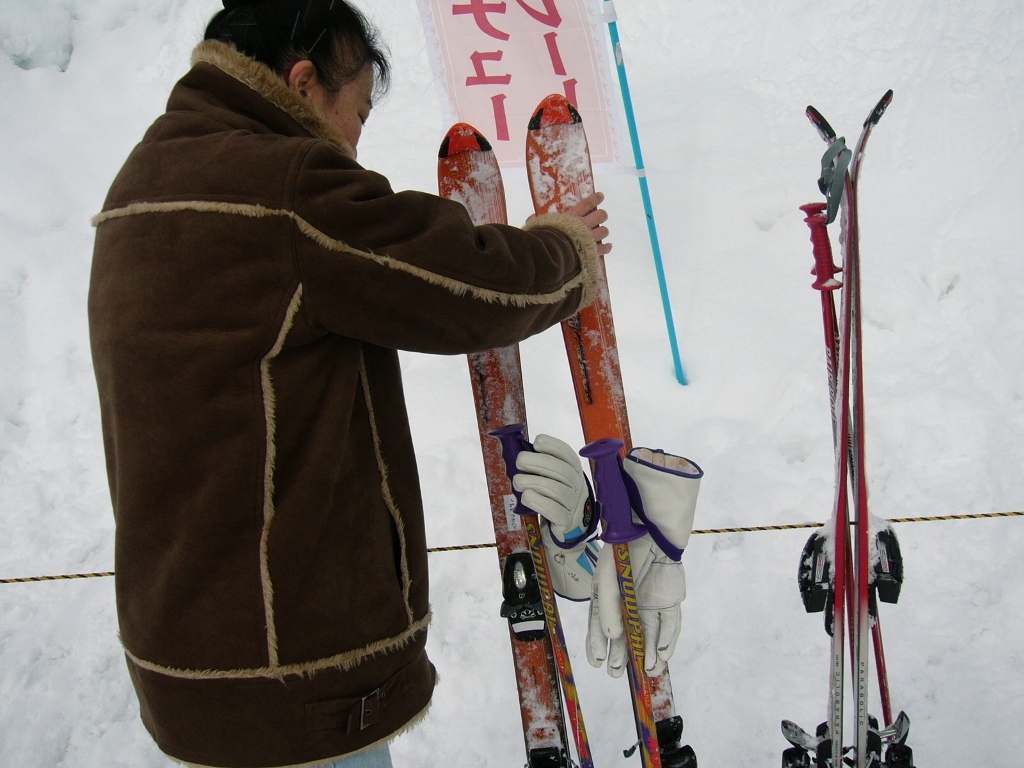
{"x":820,"y":123}
{"x":555,"y":109}
{"x":463,"y":137}
{"x":879,"y":110}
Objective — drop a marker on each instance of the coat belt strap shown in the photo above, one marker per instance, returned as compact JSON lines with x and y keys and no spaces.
{"x":356,"y":714}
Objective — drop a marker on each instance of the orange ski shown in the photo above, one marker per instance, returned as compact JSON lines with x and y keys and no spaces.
{"x":468,"y":172}
{"x":560,"y":174}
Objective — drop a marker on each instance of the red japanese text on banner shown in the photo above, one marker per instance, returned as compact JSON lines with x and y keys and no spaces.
{"x":496,"y":59}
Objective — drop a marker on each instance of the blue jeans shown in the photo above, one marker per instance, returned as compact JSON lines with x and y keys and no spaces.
{"x":378,"y":757}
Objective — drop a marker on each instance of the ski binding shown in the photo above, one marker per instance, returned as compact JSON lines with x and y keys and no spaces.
{"x":809,"y":751}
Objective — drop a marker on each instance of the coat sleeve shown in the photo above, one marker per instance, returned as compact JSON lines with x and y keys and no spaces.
{"x":410,"y":271}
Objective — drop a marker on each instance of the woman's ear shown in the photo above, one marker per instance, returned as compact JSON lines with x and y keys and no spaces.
{"x":302,"y":77}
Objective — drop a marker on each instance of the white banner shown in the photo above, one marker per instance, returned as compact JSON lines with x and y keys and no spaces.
{"x":495,"y":61}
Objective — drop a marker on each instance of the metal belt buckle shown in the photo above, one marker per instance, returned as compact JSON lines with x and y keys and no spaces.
{"x":369,"y":709}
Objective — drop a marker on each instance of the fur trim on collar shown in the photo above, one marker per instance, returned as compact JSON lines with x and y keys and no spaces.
{"x":270,"y":86}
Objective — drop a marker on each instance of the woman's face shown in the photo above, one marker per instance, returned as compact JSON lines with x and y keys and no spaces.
{"x":348,"y":109}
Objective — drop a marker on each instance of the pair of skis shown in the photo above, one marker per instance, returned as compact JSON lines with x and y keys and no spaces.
{"x":843,"y":580}
{"x":560,"y":175}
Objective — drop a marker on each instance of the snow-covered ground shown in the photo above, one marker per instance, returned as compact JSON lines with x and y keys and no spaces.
{"x":719,"y":91}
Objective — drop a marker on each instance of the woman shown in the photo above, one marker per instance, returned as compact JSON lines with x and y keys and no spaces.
{"x":251,"y":284}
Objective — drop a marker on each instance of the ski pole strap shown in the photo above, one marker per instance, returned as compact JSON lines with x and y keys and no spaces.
{"x":613,"y":498}
{"x":637,"y":502}
{"x":834,"y":164}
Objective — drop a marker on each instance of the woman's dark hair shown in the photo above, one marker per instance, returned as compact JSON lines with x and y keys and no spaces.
{"x":333,"y":35}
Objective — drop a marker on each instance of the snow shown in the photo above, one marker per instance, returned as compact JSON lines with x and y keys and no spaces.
{"x":719,"y":95}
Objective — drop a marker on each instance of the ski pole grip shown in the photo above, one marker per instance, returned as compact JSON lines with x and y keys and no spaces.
{"x":824,"y":266}
{"x":612,"y":496}
{"x":513,"y":442}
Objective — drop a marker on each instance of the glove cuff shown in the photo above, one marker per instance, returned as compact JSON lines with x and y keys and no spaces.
{"x":587,"y":528}
{"x":663,"y":493}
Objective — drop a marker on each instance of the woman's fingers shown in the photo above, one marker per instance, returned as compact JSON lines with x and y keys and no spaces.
{"x":594,"y":217}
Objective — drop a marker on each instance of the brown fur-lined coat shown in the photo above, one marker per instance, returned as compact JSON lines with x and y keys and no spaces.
{"x":251,"y":284}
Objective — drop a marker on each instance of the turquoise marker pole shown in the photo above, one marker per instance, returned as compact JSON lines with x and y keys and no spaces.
{"x":645,"y":193}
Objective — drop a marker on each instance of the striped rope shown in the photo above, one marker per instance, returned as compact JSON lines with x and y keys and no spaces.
{"x":491,"y":545}
{"x":64,"y":577}
{"x":758,"y":528}
{"x":796,"y":526}
{"x":462,"y":547}
{"x":939,"y":518}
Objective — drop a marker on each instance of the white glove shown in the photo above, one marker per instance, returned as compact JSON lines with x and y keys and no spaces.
{"x":660,"y":588}
{"x":668,"y":487}
{"x":552,"y":484}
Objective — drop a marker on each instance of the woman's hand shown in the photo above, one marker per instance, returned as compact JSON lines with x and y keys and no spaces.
{"x":588,"y":212}
{"x":594,"y":217}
